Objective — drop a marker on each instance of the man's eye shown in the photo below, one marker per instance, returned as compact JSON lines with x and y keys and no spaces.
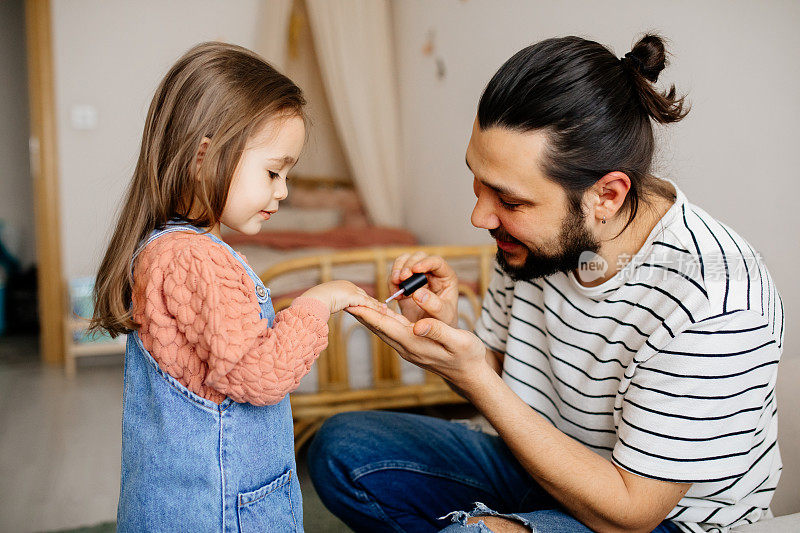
{"x":508,"y":205}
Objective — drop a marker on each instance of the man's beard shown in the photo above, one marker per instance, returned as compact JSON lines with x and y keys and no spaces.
{"x":573,"y":240}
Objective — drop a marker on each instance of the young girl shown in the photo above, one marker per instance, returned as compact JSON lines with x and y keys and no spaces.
{"x":207,"y":438}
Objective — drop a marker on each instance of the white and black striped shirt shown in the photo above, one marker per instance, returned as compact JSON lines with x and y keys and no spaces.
{"x":668,"y":369}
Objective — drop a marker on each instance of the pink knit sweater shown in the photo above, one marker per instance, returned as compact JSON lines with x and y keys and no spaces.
{"x":199,"y":319}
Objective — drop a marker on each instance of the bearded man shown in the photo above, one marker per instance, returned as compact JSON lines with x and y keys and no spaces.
{"x":627,"y":351}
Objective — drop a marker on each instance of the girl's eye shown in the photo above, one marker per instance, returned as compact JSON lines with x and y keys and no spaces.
{"x":273,"y":175}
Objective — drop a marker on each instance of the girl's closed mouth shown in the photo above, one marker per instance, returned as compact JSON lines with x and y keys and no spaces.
{"x":266,"y":214}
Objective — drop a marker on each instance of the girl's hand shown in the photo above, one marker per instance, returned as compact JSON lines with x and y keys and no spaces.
{"x":338,"y":295}
{"x":439,"y":299}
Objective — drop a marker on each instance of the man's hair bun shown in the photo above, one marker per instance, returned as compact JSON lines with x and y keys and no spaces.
{"x":648,"y":57}
{"x":645,"y":62}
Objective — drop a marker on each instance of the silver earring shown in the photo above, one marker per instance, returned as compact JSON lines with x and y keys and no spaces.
{"x":604,"y":220}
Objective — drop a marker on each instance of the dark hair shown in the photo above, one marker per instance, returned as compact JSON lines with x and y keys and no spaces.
{"x":595,"y":108}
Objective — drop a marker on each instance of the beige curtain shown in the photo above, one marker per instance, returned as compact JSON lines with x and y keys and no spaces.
{"x":271,"y":41}
{"x":352,"y":39}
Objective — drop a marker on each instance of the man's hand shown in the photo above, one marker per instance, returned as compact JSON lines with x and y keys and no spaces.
{"x":438,"y":300}
{"x":455,"y":354}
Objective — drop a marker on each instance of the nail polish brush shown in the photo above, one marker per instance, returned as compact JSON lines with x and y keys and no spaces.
{"x":408,"y":286}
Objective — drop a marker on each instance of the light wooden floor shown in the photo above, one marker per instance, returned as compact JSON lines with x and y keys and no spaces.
{"x":60,"y":444}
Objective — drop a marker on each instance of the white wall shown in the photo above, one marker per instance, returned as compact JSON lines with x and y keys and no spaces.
{"x":16,"y":185}
{"x":734,"y":155}
{"x":112,"y":55}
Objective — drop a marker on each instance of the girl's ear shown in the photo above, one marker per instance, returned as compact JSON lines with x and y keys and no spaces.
{"x":201,"y":152}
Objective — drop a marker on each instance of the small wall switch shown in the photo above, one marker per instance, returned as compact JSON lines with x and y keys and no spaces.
{"x":83,"y":117}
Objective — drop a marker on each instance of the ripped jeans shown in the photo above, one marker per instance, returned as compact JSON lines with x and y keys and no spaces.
{"x":381,"y":471}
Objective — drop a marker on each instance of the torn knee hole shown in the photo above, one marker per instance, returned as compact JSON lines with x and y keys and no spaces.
{"x":499,"y":525}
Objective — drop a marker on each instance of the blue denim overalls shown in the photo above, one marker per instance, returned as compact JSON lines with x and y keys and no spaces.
{"x":189,"y":464}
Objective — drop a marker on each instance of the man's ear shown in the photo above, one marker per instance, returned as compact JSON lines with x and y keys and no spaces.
{"x":610,"y":192}
{"x":201,"y":153}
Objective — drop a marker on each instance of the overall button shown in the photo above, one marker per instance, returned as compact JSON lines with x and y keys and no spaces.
{"x":260,"y":291}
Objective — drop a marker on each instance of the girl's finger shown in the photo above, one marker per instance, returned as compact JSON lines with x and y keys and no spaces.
{"x":370,"y":302}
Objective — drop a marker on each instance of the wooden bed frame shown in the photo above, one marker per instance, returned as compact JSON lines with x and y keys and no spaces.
{"x":334,"y":394}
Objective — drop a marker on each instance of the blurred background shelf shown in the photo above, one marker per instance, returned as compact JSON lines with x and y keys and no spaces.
{"x":73,"y":349}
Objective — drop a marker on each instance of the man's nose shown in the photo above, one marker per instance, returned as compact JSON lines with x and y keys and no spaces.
{"x":483,"y":215}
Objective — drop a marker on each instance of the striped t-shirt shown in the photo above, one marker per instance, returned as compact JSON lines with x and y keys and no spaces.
{"x":667,"y":369}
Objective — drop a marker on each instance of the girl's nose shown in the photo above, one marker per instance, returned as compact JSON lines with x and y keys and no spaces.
{"x":281,"y":191}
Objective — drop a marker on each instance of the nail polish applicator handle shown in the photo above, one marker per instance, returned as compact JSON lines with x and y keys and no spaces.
{"x":408,"y":286}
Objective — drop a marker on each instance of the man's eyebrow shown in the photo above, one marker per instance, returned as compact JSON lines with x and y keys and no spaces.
{"x":501,"y":189}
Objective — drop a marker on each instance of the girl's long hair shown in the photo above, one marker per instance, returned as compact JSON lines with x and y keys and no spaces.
{"x":218,"y":91}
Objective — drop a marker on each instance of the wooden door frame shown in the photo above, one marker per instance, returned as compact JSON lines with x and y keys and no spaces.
{"x":44,"y":171}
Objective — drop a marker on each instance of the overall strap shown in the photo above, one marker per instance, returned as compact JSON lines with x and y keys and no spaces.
{"x":169,"y":227}
{"x":262,"y":292}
